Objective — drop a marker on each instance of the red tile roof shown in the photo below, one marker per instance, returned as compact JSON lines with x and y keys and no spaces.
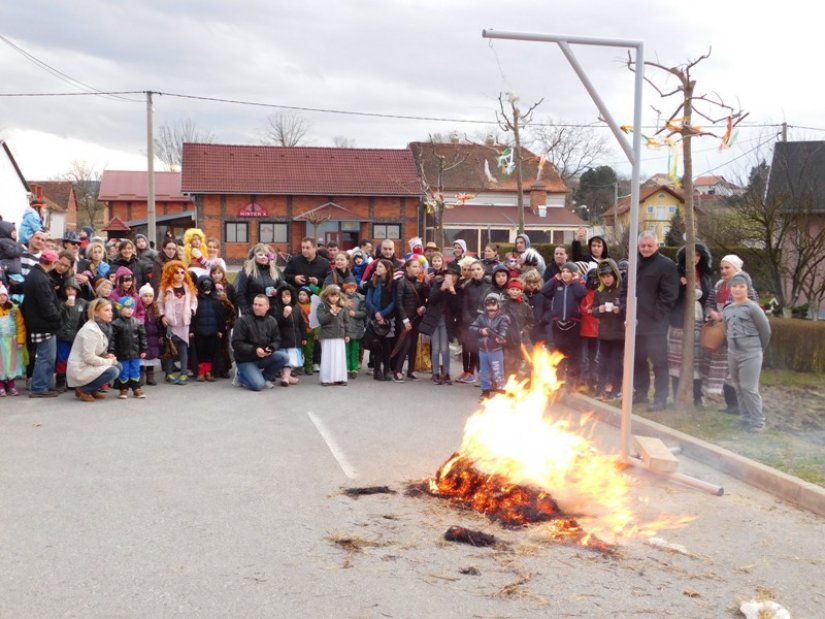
{"x":58,"y":194}
{"x":708,"y":181}
{"x":473,"y":215}
{"x":470,"y":176}
{"x":227,"y":168}
{"x":128,"y":185}
{"x":116,"y":225}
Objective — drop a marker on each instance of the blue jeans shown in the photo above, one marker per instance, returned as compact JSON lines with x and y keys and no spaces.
{"x":491,"y":369}
{"x":46,"y":355}
{"x":253,"y":374}
{"x":440,"y":348}
{"x":109,"y":375}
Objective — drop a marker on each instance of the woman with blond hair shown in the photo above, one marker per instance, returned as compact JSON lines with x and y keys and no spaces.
{"x":178,"y":302}
{"x":90,"y":365}
{"x":259,"y":275}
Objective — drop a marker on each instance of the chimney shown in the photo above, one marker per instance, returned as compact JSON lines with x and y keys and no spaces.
{"x":538,"y":199}
{"x":490,"y":140}
{"x":454,"y":137}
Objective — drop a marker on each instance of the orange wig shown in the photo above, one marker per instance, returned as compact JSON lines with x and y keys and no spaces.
{"x":167,"y":279}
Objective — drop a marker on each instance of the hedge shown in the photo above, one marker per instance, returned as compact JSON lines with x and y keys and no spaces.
{"x":797,"y":345}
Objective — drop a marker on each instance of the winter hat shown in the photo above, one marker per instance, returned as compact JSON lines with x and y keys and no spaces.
{"x":741,"y":278}
{"x":349,"y":286}
{"x":515,"y":282}
{"x":4,"y":290}
{"x":734,"y":260}
{"x":306,"y":289}
{"x":124,"y":301}
{"x":570,"y":266}
{"x":146,"y":289}
{"x":491,"y":298}
{"x":462,"y":243}
{"x":582,"y":266}
{"x":605,"y":268}
{"x":454,"y":268}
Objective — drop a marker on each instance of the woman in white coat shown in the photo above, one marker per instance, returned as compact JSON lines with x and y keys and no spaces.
{"x":90,"y":364}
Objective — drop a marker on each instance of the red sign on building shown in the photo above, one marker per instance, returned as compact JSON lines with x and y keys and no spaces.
{"x":253,"y":209}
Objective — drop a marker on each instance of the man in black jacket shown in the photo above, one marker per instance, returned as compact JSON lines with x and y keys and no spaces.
{"x":308,"y":268}
{"x":255,"y":342}
{"x":41,"y":312}
{"x":657,"y":287}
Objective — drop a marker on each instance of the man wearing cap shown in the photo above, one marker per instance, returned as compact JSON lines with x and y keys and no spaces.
{"x":41,"y":312}
{"x":31,"y":255}
{"x":657,"y":289}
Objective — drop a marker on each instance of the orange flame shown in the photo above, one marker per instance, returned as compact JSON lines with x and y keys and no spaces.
{"x":519,"y":465}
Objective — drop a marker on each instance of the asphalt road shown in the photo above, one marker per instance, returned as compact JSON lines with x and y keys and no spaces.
{"x":212,"y":501}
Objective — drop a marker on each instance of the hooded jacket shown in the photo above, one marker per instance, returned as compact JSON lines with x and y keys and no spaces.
{"x":10,"y":250}
{"x":578,"y":254}
{"x":209,"y":318}
{"x":611,"y":324}
{"x":293,"y":328}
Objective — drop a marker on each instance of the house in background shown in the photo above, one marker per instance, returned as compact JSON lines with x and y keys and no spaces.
{"x":490,"y":213}
{"x":715,"y":186}
{"x":244,"y":195}
{"x":657,"y":204}
{"x":15,"y":192}
{"x":796,"y":185}
{"x":125,"y":196}
{"x":61,"y":205}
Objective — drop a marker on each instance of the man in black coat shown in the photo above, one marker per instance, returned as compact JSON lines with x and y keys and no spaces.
{"x":657,"y":287}
{"x":255,"y":342}
{"x":308,"y":268}
{"x":41,"y":312}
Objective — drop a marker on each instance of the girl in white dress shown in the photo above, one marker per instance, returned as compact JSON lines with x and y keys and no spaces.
{"x":333,"y":336}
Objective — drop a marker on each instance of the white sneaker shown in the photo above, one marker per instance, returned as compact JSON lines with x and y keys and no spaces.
{"x":235,"y":380}
{"x":269,"y":384}
{"x":316,"y":368}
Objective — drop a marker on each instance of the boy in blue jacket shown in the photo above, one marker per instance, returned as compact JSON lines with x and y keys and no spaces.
{"x":562,"y":316}
{"x":491,"y":329}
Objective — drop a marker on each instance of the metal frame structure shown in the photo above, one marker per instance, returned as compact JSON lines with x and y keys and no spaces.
{"x":633,"y":154}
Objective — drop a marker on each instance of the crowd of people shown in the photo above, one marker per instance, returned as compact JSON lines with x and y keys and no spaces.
{"x":91,"y":315}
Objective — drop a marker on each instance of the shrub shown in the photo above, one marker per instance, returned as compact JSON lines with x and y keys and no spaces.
{"x":797,"y":345}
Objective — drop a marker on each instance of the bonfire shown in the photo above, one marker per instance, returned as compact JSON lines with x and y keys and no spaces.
{"x":520,"y":466}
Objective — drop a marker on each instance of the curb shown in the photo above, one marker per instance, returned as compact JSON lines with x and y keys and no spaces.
{"x":787,"y":487}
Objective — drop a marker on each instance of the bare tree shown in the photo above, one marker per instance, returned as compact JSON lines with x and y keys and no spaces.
{"x":434,"y":187}
{"x":680,"y":123}
{"x":571,"y":149}
{"x":285,"y":129}
{"x":339,"y":141}
{"x":515,"y":123}
{"x":86,"y":182}
{"x":170,"y":139}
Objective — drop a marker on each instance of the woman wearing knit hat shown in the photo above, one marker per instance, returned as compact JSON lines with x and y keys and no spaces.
{"x":715,"y":364}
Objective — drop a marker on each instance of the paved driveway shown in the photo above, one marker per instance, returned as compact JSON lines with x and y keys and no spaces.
{"x":211,"y":501}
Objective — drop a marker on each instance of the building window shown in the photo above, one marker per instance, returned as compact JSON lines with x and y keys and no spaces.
{"x":273,"y":232}
{"x":236,"y":232}
{"x":386,"y":231}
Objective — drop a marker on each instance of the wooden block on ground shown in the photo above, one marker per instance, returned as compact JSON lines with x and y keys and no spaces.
{"x":655,"y":454}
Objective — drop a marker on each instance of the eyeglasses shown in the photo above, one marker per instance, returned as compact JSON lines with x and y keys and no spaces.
{"x":179,"y":272}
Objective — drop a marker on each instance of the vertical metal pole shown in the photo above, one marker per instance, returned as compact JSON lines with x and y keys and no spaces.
{"x":633,"y":256}
{"x":151,"y":229}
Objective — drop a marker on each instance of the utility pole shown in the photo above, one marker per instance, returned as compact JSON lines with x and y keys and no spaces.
{"x":151,"y":226}
{"x":784,"y":132}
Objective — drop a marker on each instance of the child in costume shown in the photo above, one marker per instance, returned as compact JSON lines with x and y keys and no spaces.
{"x":207,"y":328}
{"x":333,"y":318}
{"x":194,"y":251}
{"x":357,"y":312}
{"x":491,"y":328}
{"x":154,"y":337}
{"x":125,"y":285}
{"x":305,"y":305}
{"x":293,"y":331}
{"x":128,"y":344}
{"x":178,"y":303}
{"x":12,"y":344}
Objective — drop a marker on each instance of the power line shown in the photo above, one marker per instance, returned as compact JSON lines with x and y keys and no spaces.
{"x":58,"y":73}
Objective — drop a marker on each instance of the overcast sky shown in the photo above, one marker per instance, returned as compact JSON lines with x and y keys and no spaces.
{"x":416,"y":57}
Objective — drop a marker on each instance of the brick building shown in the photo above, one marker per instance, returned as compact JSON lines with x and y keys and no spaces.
{"x":125,"y":195}
{"x":278,"y":195}
{"x":61,"y":205}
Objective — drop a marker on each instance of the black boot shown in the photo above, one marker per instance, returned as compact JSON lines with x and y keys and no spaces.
{"x":60,"y":383}
{"x":697,"y":392}
{"x":731,"y":403}
{"x":150,"y":376}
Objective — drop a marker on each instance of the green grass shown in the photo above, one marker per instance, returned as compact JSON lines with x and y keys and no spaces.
{"x":780,"y":450}
{"x":789,"y":378}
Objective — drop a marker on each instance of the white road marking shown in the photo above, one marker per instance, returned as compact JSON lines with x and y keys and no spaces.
{"x":336,"y":451}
